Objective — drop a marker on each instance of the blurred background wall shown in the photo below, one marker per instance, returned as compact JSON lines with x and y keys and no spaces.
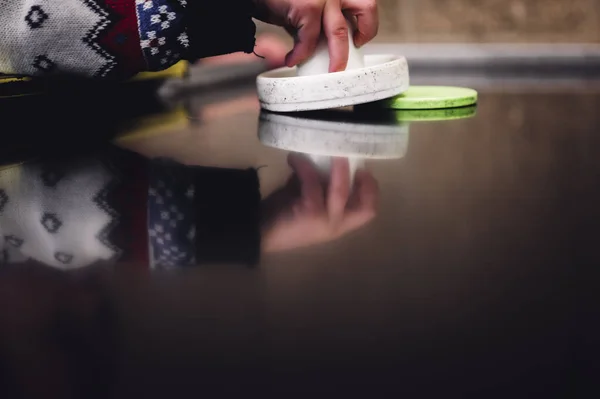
{"x":489,"y":21}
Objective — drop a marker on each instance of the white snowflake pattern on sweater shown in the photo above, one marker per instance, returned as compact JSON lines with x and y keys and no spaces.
{"x":34,"y":41}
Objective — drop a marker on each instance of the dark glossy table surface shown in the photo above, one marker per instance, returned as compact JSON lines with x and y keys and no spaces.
{"x":466,"y":279}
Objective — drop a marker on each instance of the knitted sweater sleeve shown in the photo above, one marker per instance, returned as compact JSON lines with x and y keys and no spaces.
{"x":118,"y":38}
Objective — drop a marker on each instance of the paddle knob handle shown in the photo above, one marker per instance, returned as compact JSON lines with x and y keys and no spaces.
{"x":318,"y":63}
{"x":323,"y":165}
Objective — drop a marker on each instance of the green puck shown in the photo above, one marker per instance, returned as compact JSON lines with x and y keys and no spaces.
{"x":430,"y":115}
{"x":432,"y":97}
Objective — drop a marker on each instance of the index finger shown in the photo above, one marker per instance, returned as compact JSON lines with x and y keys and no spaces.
{"x":310,"y":183}
{"x":362,"y":206}
{"x":366,"y":192}
{"x":339,"y":189}
{"x":305,"y":42}
{"x":367,"y":19}
{"x":335,"y":27}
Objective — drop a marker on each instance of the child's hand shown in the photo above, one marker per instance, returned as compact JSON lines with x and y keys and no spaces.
{"x":307,"y":19}
{"x":304,"y":213}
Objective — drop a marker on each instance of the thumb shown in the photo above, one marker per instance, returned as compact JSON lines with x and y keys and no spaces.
{"x":305,"y":42}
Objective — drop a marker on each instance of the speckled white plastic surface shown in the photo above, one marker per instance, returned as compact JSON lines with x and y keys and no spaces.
{"x":383,"y":76}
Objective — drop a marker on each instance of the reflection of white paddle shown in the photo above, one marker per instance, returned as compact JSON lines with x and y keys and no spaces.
{"x":330,"y":135}
{"x":325,"y":135}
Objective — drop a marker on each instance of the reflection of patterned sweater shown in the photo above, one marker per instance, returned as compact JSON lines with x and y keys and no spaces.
{"x":118,"y":38}
{"x":77,"y":214}
{"x":41,"y":215}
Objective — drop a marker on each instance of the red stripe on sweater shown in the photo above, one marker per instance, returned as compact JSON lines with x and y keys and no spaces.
{"x":122,"y":38}
{"x":133,"y":195}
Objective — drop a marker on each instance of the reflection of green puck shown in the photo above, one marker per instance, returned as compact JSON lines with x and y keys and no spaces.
{"x":430,"y":115}
{"x":432,"y":97}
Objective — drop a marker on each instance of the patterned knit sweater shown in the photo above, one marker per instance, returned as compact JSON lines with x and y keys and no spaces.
{"x":118,"y":38}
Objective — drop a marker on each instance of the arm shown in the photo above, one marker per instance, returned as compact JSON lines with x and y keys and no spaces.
{"x":118,"y":38}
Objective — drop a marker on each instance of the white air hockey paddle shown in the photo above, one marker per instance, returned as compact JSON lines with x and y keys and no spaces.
{"x":310,"y":87}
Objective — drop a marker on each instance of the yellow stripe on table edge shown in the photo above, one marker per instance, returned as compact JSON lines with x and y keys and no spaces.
{"x":11,"y":79}
{"x":155,"y":125}
{"x":12,"y":165}
{"x":145,"y":127}
{"x":178,"y":70}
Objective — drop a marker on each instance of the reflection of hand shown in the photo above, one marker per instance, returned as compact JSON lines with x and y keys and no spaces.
{"x":303,"y":214}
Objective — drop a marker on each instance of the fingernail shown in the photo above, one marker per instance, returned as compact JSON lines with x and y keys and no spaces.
{"x":288,"y":57}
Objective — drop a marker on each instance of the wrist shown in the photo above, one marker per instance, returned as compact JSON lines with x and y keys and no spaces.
{"x":219,"y":27}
